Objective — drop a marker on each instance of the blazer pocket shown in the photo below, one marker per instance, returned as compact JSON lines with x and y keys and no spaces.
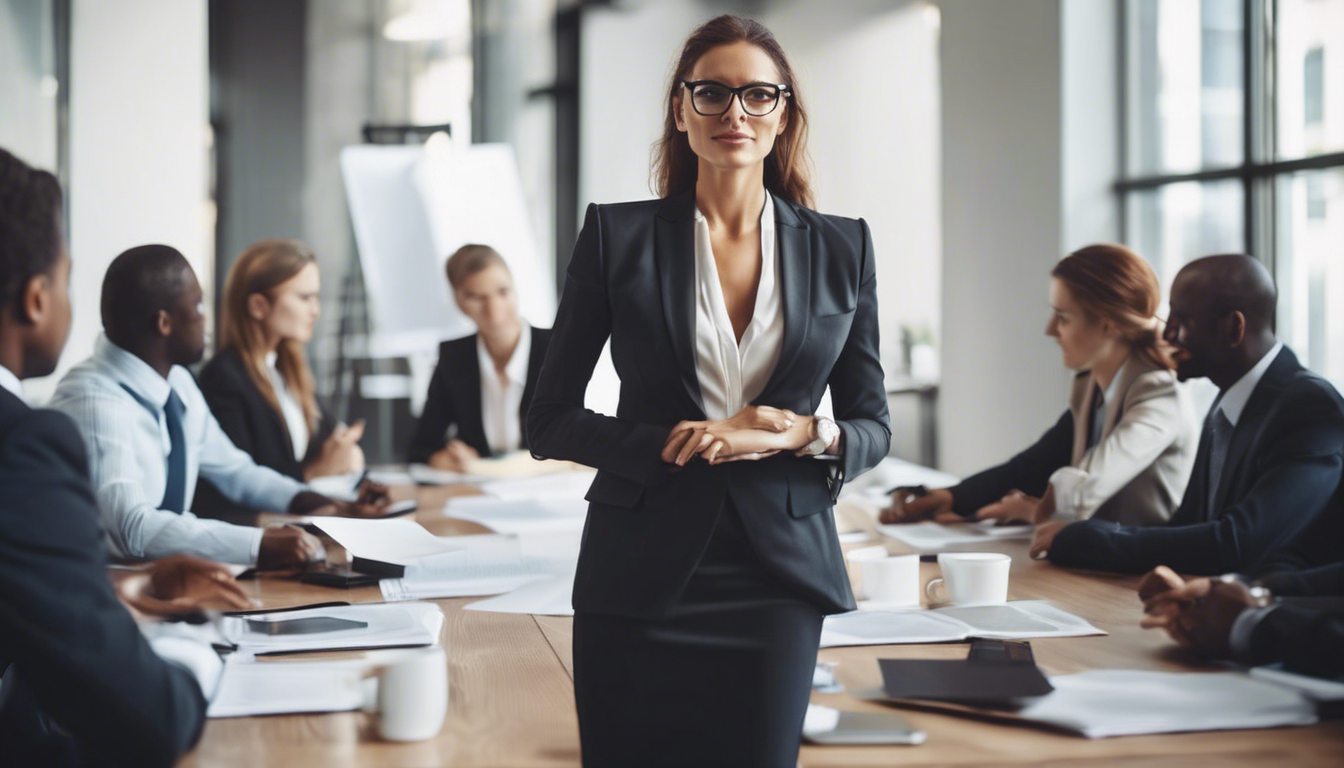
{"x":614,"y":491}
{"x":809,"y":493}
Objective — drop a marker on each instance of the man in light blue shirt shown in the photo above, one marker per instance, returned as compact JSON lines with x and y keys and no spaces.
{"x":150,"y":433}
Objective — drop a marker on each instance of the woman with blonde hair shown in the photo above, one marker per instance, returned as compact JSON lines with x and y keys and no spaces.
{"x":259,"y":385}
{"x":1123,"y":450}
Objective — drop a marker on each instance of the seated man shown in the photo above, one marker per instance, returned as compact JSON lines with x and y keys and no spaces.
{"x":1293,"y":617}
{"x":1267,"y":475}
{"x":149,"y":432}
{"x":80,"y":684}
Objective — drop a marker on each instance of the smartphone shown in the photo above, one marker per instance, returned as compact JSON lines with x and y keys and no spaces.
{"x":306,"y":626}
{"x":327,"y":575}
{"x":859,"y":728}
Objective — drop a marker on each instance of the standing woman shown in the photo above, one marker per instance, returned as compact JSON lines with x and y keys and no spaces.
{"x":710,"y":553}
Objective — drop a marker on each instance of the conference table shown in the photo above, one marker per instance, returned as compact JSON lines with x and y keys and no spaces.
{"x":511,"y":687}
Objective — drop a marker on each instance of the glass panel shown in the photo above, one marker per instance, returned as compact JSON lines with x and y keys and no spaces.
{"x":1177,"y":223}
{"x":1309,"y":99}
{"x":28,"y":86}
{"x":1185,"y":85}
{"x":1310,"y":257}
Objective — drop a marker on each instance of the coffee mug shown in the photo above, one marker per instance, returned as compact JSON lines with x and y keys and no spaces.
{"x":888,"y":579}
{"x":412,"y":694}
{"x":971,"y":578}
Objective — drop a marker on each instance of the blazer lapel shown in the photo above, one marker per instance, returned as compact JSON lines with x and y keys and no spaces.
{"x":674,"y":251}
{"x":1080,"y":404}
{"x":794,"y":242}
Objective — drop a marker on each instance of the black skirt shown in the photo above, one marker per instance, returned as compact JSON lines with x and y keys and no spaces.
{"x":723,"y":680}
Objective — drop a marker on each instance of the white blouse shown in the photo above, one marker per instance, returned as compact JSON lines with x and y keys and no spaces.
{"x":295,"y":421}
{"x":732,"y":374}
{"x":500,"y":401}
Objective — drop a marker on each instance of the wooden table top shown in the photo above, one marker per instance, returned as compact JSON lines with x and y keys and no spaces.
{"x":511,"y":690}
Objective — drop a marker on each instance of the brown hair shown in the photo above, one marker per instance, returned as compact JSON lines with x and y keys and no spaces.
{"x":470,"y":259}
{"x":263,"y":266}
{"x":1114,"y":284}
{"x":675,"y":165}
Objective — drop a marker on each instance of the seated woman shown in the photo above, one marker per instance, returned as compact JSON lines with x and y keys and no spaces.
{"x":259,"y":385}
{"x":1123,"y":450}
{"x":482,"y":386}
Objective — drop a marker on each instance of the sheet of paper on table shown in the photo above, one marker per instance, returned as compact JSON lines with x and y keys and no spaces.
{"x":489,"y":564}
{"x":516,"y":465}
{"x":1014,"y":620}
{"x":563,"y":486}
{"x":549,"y":515}
{"x":396,"y":541}
{"x":557,"y":554}
{"x":388,"y":626}
{"x":247,"y":687}
{"x":423,"y":474}
{"x":1315,"y":688}
{"x":929,"y":536}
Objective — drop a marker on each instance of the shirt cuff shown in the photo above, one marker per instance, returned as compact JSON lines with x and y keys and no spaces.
{"x":196,"y":656}
{"x":1239,"y":639}
{"x":1068,"y":483}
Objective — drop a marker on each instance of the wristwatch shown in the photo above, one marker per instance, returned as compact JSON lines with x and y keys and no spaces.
{"x":826,"y":431}
{"x":1260,"y":594}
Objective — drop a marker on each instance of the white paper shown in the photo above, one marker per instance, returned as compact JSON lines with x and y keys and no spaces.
{"x":339,"y":487}
{"x":521,"y":516}
{"x":482,"y":565}
{"x":1123,"y":702}
{"x":934,"y":537}
{"x":248,"y":688}
{"x":559,"y":486}
{"x":549,"y":596}
{"x":403,"y":624}
{"x":401,"y":542}
{"x":892,"y":473}
{"x":391,"y":477}
{"x":427,"y":475}
{"x":1316,"y":688}
{"x":1015,"y":620}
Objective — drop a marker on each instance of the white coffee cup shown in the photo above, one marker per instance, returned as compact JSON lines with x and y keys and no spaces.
{"x":413,"y":694}
{"x":971,"y":578}
{"x":889,"y":580}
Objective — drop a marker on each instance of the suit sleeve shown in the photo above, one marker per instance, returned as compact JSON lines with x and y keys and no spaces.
{"x":1028,"y":471}
{"x":558,"y":425}
{"x":858,"y":396}
{"x":431,"y":429}
{"x":77,"y":653}
{"x":1306,"y":640}
{"x":1312,"y":582}
{"x":1296,"y":477}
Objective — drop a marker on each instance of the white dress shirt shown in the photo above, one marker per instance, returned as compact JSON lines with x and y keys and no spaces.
{"x":732,"y":373}
{"x":501,"y":401}
{"x":295,"y":421}
{"x":11,"y":382}
{"x":117,"y":402}
{"x":1234,"y":400}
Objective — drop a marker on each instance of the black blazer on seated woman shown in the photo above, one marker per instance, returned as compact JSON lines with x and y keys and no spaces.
{"x":632,"y":279}
{"x":253,"y":425}
{"x":455,"y":397}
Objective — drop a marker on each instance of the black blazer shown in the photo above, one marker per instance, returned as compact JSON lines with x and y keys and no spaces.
{"x":1306,"y":638}
{"x":632,"y":279}
{"x":82,"y":686}
{"x":254,"y":426}
{"x":1281,"y":493}
{"x":455,"y":397}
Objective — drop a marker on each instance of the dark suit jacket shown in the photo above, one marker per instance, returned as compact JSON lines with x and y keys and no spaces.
{"x":1281,"y":492}
{"x":455,"y":397}
{"x":253,"y":425}
{"x":632,"y":279}
{"x":76,"y":661}
{"x":1306,"y":630}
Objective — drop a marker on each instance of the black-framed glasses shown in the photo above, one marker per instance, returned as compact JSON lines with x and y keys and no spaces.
{"x":712,"y":98}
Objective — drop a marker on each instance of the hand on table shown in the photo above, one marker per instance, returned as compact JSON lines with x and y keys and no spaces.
{"x":1159,"y":581}
{"x":1200,"y":613}
{"x":180,"y":585}
{"x":454,"y":457}
{"x":285,"y":546}
{"x":1016,"y":506}
{"x":1045,"y":537}
{"x":908,"y":508}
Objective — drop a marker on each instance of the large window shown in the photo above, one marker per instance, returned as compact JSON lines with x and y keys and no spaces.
{"x":1234,"y":142}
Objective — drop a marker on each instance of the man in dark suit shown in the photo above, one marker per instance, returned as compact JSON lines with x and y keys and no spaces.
{"x":1293,"y":617}
{"x":81,"y":685}
{"x":1267,"y":474}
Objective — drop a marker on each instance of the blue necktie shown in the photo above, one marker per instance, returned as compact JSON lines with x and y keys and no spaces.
{"x":1220,"y":439}
{"x":175,"y":490}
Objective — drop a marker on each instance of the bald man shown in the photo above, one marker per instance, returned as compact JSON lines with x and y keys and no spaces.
{"x":1267,"y":477}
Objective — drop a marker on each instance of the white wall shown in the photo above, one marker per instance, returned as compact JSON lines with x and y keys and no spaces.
{"x":138,"y":147}
{"x":28,"y":83}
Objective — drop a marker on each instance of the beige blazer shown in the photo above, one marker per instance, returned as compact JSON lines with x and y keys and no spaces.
{"x":1137,"y":473}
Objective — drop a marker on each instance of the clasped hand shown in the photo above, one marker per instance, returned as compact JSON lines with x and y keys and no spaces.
{"x":756,"y":432}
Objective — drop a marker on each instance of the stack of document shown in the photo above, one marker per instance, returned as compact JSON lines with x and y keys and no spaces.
{"x":1129,"y":702}
{"x":377,"y":625}
{"x":935,"y":537}
{"x":479,"y":565}
{"x":555,"y":554}
{"x":1016,"y":620}
{"x":383,"y":547}
{"x":248,"y":688}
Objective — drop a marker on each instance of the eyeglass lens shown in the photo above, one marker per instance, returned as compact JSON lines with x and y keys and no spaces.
{"x":711,"y":99}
